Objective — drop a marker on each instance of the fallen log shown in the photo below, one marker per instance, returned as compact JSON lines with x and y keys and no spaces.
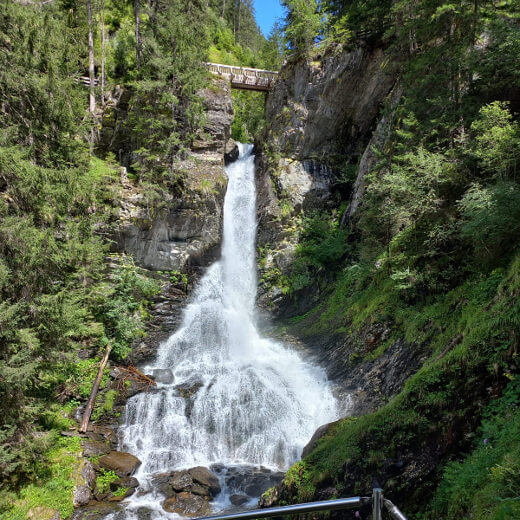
{"x":95,"y":387}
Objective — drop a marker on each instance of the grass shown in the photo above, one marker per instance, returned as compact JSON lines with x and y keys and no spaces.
{"x":450,"y":388}
{"x":54,"y":486}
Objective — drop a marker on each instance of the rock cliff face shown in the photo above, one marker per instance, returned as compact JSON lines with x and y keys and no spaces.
{"x":319,"y":115}
{"x":328,"y":107}
{"x":187,"y":230}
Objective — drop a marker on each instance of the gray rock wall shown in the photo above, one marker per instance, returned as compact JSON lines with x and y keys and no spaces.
{"x":187,"y":230}
{"x":328,"y":107}
{"x":319,"y":114}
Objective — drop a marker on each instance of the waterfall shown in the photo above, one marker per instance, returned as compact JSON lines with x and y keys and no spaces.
{"x":236,"y":397}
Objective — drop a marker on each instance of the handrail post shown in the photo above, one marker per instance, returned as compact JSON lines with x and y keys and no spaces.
{"x":377,"y":503}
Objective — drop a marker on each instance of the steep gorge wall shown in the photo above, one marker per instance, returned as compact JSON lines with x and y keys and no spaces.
{"x":184,"y":229}
{"x":418,"y":372}
{"x":321,"y":114}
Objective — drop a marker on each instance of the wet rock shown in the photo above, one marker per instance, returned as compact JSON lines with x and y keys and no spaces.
{"x":162,"y":483}
{"x":122,"y":464}
{"x":189,"y":389}
{"x":187,"y":504}
{"x":181,"y":480}
{"x":205,"y":477}
{"x":119,"y":498}
{"x":239,"y":500}
{"x":231,"y":152}
{"x":163,"y":375}
{"x":247,"y":480}
{"x":143,"y":513}
{"x":199,"y":481}
{"x":127,"y":482}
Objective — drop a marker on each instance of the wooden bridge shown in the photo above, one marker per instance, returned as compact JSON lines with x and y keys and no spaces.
{"x":244,"y":78}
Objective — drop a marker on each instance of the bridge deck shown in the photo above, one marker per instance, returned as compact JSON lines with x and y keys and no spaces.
{"x":244,"y":78}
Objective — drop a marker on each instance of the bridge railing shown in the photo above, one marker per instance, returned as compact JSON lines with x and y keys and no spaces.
{"x":232,"y":70}
{"x":377,"y":500}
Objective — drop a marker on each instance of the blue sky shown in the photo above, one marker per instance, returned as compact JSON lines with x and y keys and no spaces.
{"x":267,"y":12}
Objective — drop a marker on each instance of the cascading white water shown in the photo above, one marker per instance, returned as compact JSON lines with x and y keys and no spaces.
{"x":253,"y":400}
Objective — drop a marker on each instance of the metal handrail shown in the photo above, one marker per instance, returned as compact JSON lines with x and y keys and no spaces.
{"x":393,"y":510}
{"x":311,"y":507}
{"x":377,"y":501}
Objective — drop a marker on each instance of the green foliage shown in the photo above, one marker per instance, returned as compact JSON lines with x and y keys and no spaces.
{"x":497,"y":140}
{"x":322,"y":245}
{"x":302,"y":25}
{"x":486,"y":484}
{"x":104,"y":479}
{"x":42,"y":106}
{"x":120,"y":306}
{"x":491,"y":219}
{"x":53,"y":482}
{"x":178,"y":278}
{"x":357,"y":18}
{"x":249,"y":115}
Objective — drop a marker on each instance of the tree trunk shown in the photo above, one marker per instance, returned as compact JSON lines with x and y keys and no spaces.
{"x":238,"y":27}
{"x":103,"y":56}
{"x":91,"y":72}
{"x":95,"y":387}
{"x":137,"y":10}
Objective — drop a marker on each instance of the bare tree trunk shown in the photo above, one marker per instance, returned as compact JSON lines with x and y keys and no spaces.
{"x":137,"y":10}
{"x":224,"y":9}
{"x":92,"y":95}
{"x":95,"y":387}
{"x":238,"y":28}
{"x":103,"y":56}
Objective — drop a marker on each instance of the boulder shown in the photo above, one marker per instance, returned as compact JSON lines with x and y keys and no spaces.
{"x":119,"y":498}
{"x":96,"y":511}
{"x":231,"y":152}
{"x":121,"y":463}
{"x":198,"y":481}
{"x":248,"y":480}
{"x":93,"y":448}
{"x":127,"y":482}
{"x":181,"y":481}
{"x":162,"y":483}
{"x":187,"y":504}
{"x":84,"y":478}
{"x":81,"y":496}
{"x":208,"y":479}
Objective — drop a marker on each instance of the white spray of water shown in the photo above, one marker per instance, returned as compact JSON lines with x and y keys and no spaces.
{"x":255,"y":401}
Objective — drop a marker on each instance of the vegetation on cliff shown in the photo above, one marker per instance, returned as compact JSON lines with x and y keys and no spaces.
{"x":432,"y":253}
{"x":62,"y":297}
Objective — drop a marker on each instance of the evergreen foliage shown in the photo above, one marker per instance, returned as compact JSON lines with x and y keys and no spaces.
{"x":58,"y":201}
{"x":432,"y":253}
